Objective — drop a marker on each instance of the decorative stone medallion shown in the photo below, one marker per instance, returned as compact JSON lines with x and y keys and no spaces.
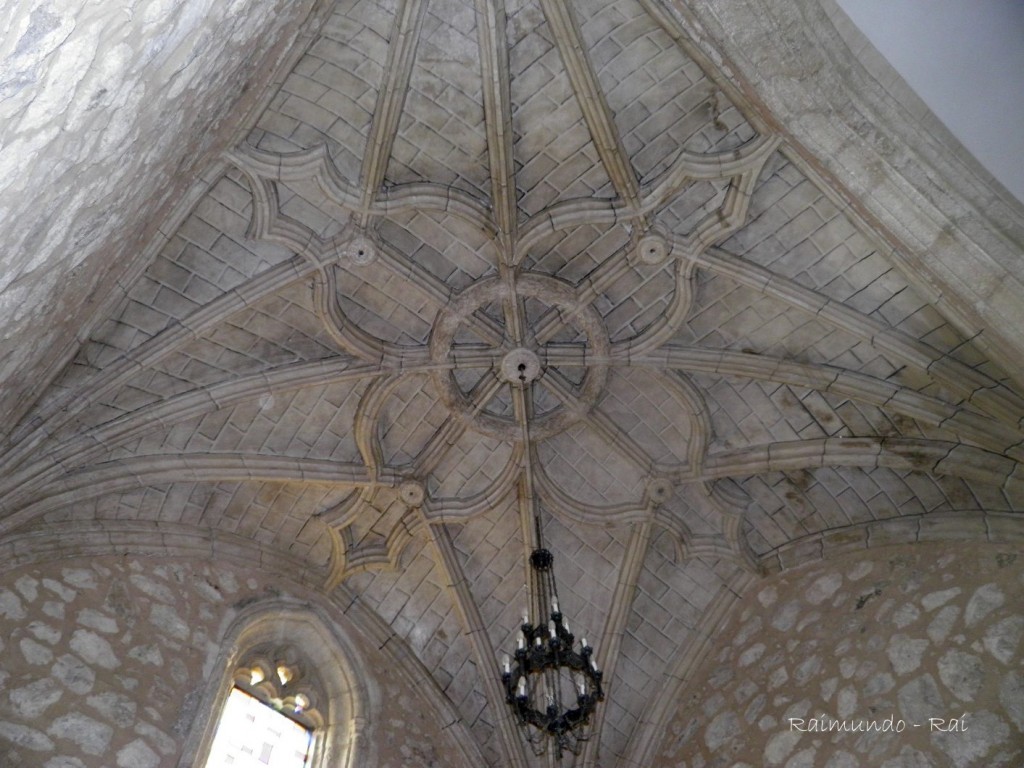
{"x":565,"y":336}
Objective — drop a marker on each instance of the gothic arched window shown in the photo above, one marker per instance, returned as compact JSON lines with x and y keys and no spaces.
{"x":271,"y":717}
{"x":288,"y":695}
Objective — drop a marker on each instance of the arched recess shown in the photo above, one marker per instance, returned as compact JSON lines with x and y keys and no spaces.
{"x":971,"y":530}
{"x":324,"y":652}
{"x":353,"y":634}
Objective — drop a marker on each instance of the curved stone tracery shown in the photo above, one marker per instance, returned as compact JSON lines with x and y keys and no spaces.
{"x":539,"y":360}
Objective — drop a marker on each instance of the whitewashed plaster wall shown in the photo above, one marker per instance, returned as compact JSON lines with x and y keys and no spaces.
{"x":908,"y":633}
{"x":107,"y":112}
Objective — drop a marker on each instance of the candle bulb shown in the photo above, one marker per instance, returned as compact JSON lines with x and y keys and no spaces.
{"x":565,"y":626}
{"x":537,"y":641}
{"x":520,"y":641}
{"x":521,"y":690}
{"x":554,"y":605}
{"x":526,"y":617}
{"x":506,"y":664}
{"x":551,"y":629}
{"x":583,"y":642}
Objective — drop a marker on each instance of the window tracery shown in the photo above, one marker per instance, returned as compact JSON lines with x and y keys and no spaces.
{"x":283,"y":679}
{"x":298,"y":663}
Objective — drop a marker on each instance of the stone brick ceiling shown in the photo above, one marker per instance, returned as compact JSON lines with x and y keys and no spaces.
{"x":727,"y":373}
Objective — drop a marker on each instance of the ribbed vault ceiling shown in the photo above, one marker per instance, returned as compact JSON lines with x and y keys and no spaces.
{"x":731,"y":376}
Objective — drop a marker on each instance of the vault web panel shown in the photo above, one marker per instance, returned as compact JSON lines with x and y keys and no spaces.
{"x":469,"y":466}
{"x":556,"y":159}
{"x":700,"y":518}
{"x":796,"y":231}
{"x":449,"y":248}
{"x":694,"y":202}
{"x":208,"y":255}
{"x":278,"y":330}
{"x":745,"y":412}
{"x":311,"y":422}
{"x":275,"y":331}
{"x":583,"y":465}
{"x":330,"y":96}
{"x":791,"y":505}
{"x":386,"y":305}
{"x":866,"y":419}
{"x":644,"y":407}
{"x":661,"y":99}
{"x":441,"y":135}
{"x":493,"y":557}
{"x":573,"y":254}
{"x":727,"y":315}
{"x":667,"y":605}
{"x":586,"y":568}
{"x":639,"y":297}
{"x":410,"y":417}
{"x":276,"y":515}
{"x":305,"y":202}
{"x":416,"y":602}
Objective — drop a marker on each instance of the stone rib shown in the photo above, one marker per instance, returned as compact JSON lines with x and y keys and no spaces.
{"x":618,"y":617}
{"x":491,"y":34}
{"x":146,"y":537}
{"x":476,"y":631}
{"x":928,"y":456}
{"x":592,"y":103}
{"x":152,"y":351}
{"x":974,"y":386}
{"x":316,"y":164}
{"x":142,"y":471}
{"x":390,"y":100}
{"x":960,"y":525}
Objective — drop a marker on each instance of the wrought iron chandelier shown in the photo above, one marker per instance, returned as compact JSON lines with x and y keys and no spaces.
{"x":552,"y":688}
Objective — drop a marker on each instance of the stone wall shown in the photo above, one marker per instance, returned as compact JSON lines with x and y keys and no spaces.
{"x":104,"y":661}
{"x":928,"y":636}
{"x":107,"y":112}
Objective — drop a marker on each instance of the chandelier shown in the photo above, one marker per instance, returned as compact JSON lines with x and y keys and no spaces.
{"x":551,"y":687}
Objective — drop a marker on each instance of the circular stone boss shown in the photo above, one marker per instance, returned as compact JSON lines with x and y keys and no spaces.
{"x":549,"y":292}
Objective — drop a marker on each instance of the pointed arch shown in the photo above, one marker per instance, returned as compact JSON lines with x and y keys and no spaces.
{"x":329,"y":660}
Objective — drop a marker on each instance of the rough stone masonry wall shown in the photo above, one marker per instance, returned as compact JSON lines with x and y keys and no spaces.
{"x":908,"y":633}
{"x":102,"y":662}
